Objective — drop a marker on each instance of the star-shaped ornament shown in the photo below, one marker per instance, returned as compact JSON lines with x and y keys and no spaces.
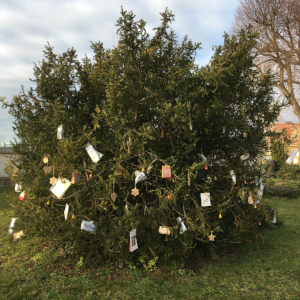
{"x":135,"y":191}
{"x":53,"y":180}
{"x":245,"y":134}
{"x":211,"y":237}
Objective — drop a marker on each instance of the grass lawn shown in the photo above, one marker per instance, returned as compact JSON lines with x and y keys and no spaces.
{"x":30,"y":270}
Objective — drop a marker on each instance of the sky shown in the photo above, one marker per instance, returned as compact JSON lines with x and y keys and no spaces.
{"x":27,"y":25}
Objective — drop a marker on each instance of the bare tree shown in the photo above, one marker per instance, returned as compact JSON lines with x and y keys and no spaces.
{"x":278,"y":25}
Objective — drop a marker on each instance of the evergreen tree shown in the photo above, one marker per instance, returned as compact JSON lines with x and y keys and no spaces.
{"x":145,"y":105}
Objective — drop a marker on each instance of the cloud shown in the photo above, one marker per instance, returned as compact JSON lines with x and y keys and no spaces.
{"x":27,"y":25}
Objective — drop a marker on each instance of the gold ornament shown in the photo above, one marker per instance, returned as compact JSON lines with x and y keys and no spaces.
{"x":135,"y":192}
{"x":211,"y":237}
{"x":48,"y":202}
{"x":220,"y":216}
{"x":53,"y":180}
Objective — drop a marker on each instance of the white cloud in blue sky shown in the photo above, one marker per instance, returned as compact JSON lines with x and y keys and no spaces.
{"x":27,"y":25}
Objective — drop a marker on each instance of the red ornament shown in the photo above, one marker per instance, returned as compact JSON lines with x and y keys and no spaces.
{"x":162,"y":135}
{"x":206,"y":167}
{"x":168,"y":196}
{"x":91,"y":175}
{"x":22,"y":196}
{"x":245,"y":182}
{"x":259,"y":223}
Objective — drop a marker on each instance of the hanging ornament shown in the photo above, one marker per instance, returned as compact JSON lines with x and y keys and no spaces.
{"x":18,"y":235}
{"x":162,"y":135}
{"x":73,"y":217}
{"x":166,"y":172}
{"x":182,"y":226}
{"x":205,"y":199}
{"x":53,"y":180}
{"x":48,"y":202}
{"x":292,"y":155}
{"x":12,"y":225}
{"x":215,"y":178}
{"x":18,"y":187}
{"x":47,"y":169}
{"x":75,"y":177}
{"x":60,"y":132}
{"x":189,"y":179}
{"x":139,"y":176}
{"x":66,"y":212}
{"x":60,"y":187}
{"x":255,"y":206}
{"x":93,"y":154}
{"x":135,"y":191}
{"x":149,"y":169}
{"x":250,"y":199}
{"x":164,"y":230}
{"x":245,"y":182}
{"x":168,"y":196}
{"x":191,"y":126}
{"x":113,"y":194}
{"x":233,"y":177}
{"x":211,"y":237}
{"x":245,"y":157}
{"x":132,"y":241}
{"x":245,"y":134}
{"x":259,"y":223}
{"x":88,"y":226}
{"x":91,"y":175}
{"x":45,"y":159}
{"x":220,"y":216}
{"x":22,"y":196}
{"x":206,"y":167}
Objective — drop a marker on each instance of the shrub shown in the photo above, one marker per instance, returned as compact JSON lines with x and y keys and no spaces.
{"x":282,"y":188}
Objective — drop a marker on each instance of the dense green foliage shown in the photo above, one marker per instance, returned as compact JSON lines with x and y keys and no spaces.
{"x":148,"y":93}
{"x":277,"y":150}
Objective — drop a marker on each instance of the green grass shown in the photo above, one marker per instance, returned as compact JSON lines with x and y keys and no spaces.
{"x":29,"y":269}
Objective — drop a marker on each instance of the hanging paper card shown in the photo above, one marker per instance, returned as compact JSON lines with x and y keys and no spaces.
{"x":250,"y":199}
{"x":60,"y":187}
{"x":18,"y":235}
{"x":164,"y":230}
{"x":12,"y":225}
{"x":66,"y":211}
{"x":22,"y":196}
{"x":88,"y":226}
{"x":139,"y":176}
{"x":244,"y":157}
{"x":182,"y":227}
{"x":274,"y":219}
{"x":205,"y":199}
{"x":291,"y":157}
{"x":18,"y":187}
{"x":93,"y":154}
{"x":60,"y":132}
{"x":232,"y":176}
{"x":166,"y":172}
{"x":260,"y":191}
{"x":133,"y":242}
{"x":75,"y":178}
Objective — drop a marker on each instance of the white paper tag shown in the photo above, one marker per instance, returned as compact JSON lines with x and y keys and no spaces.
{"x":291,"y":157}
{"x":60,"y":132}
{"x":12,"y":225}
{"x":244,"y":157}
{"x":273,"y":220}
{"x":60,"y":187}
{"x":133,"y":241}
{"x":232,"y":176}
{"x":93,"y":154}
{"x":183,"y":227}
{"x":88,"y":226}
{"x":205,"y":199}
{"x":18,"y":187}
{"x":140,"y":176}
{"x":66,"y":211}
